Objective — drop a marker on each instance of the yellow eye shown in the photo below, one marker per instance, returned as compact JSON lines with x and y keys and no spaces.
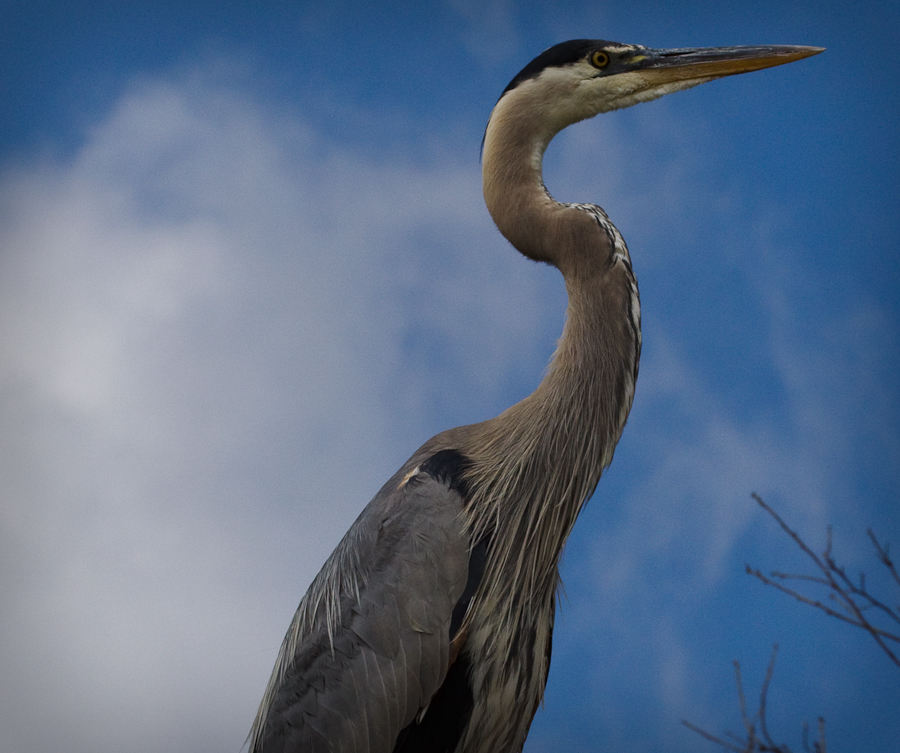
{"x":599,"y":59}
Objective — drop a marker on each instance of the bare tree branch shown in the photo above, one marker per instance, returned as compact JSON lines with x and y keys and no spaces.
{"x":812,"y":602}
{"x":850,"y":602}
{"x":852,"y":599}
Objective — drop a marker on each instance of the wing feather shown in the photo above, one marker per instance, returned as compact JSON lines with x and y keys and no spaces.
{"x":370,"y":644}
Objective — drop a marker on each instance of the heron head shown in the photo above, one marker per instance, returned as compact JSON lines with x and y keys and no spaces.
{"x":582,"y":78}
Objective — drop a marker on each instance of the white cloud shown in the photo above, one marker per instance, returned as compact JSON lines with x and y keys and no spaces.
{"x":205,"y":320}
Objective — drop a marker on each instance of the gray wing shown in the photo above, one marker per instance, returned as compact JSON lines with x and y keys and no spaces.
{"x":370,"y":644}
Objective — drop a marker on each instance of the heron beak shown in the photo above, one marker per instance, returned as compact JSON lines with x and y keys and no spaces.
{"x":666,"y":66}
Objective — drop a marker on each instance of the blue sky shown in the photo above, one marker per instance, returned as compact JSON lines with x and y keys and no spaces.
{"x":245,"y":270}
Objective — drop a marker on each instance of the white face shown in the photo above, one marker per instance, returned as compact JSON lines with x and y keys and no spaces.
{"x":568,"y":94}
{"x":593,"y":93}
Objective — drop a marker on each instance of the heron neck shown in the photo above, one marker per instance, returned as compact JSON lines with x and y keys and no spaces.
{"x":582,"y":403}
{"x":534,"y":465}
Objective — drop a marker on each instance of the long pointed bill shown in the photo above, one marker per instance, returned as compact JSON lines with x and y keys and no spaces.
{"x":664,"y":66}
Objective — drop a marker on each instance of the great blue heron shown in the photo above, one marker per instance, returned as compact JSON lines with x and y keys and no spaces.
{"x":429,"y":627}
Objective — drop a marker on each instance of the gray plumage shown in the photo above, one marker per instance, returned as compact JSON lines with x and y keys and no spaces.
{"x":371,"y":645}
{"x":429,"y":628}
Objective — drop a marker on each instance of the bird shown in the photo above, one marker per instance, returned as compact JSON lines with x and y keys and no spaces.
{"x":429,"y":628}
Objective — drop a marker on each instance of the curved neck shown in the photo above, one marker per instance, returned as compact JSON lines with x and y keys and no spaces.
{"x":513,"y":185}
{"x":539,"y":227}
{"x":581,"y":405}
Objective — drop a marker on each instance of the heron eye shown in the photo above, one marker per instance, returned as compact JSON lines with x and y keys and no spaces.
{"x":599,"y":59}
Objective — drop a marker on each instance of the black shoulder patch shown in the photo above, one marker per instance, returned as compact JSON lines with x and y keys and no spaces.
{"x":557,"y":56}
{"x":449,"y":467}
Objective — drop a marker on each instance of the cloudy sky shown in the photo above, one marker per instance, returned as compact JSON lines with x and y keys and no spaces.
{"x":245,"y":270}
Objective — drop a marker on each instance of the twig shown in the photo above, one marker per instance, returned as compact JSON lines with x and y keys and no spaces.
{"x":753,"y":744}
{"x":763,"y":696}
{"x":748,"y":725}
{"x":884,"y":556}
{"x":714,"y":739}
